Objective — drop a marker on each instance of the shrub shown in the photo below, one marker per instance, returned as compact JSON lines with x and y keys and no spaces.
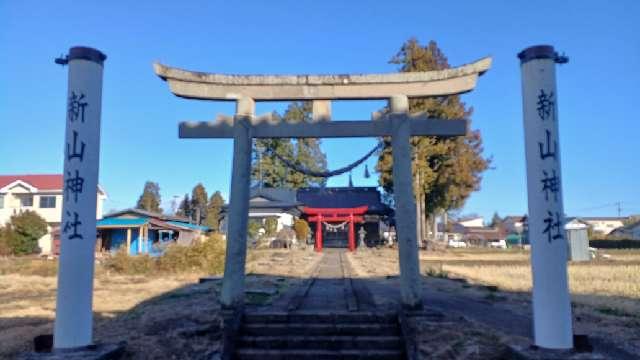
{"x":122,"y":263}
{"x":253,"y":228}
{"x":206,"y":256}
{"x":5,"y":249}
{"x":271,"y":226}
{"x":302,"y":229}
{"x":23,"y":231}
{"x":202,"y":257}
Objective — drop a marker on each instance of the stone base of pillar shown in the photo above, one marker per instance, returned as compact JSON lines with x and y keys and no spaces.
{"x":231,"y":322}
{"x":91,"y":352}
{"x":410,"y":326}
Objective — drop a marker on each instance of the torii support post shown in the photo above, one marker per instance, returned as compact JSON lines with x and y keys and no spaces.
{"x":352,"y":234}
{"x":318,"y":243}
{"x":74,"y":314}
{"x":552,"y":321}
{"x":405,"y":205}
{"x":232,"y":295}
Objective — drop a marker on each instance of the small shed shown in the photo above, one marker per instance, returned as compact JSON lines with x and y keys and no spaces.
{"x":578,"y":240}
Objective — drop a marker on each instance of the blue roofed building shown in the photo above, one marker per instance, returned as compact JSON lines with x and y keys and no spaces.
{"x":144,"y":232}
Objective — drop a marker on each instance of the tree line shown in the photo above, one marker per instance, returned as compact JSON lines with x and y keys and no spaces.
{"x":199,"y":208}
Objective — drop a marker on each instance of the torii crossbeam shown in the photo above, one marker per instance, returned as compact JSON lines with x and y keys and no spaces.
{"x":321,"y":89}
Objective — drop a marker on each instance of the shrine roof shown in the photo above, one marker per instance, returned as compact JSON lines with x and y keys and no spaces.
{"x":343,"y":197}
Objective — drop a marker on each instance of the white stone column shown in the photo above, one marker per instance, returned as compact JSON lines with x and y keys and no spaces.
{"x":552,"y":321}
{"x":74,"y":317}
{"x":405,"y":204}
{"x":233,"y":283}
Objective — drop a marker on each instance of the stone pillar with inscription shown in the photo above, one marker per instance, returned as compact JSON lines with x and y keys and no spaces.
{"x":552,"y":321}
{"x":74,"y":317}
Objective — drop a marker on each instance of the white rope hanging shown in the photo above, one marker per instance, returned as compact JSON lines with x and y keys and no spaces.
{"x":335,"y":228}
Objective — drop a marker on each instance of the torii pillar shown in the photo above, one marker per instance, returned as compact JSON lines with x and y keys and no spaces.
{"x":405,"y":205}
{"x":232,"y":294}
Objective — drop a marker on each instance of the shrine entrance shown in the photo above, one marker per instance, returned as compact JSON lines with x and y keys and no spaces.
{"x":550,"y":295}
{"x":335,"y":227}
{"x":396,"y":124}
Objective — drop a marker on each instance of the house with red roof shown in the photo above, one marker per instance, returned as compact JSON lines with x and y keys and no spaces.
{"x":40,"y":193}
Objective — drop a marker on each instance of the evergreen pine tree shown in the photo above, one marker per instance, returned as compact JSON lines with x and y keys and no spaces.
{"x":305,"y":152}
{"x":450,"y":169}
{"x":199,"y":200}
{"x":184,"y":209}
{"x":150,"y":198}
{"x":214,"y":209}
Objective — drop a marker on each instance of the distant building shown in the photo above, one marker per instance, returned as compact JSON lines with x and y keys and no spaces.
{"x":144,"y":232}
{"x":477,"y":221}
{"x":278,"y":203}
{"x":514,"y":224}
{"x":630,"y":231}
{"x":604,"y":224}
{"x":482,"y":236}
{"x":42,"y":194}
{"x":39,"y":193}
{"x":468,"y":231}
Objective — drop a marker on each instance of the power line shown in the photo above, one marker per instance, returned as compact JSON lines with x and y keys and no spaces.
{"x":617,"y":205}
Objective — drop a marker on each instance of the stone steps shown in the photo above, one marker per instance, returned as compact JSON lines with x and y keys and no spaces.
{"x":314,"y":329}
{"x":304,"y":354}
{"x":347,"y":335}
{"x":321,"y":342}
{"x":315,"y":317}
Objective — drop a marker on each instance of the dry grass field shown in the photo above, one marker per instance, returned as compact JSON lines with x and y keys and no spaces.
{"x":605,"y":292}
{"x":147,"y":310}
{"x":609,"y":284}
{"x":156,"y":314}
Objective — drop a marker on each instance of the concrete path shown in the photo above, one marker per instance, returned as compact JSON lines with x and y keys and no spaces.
{"x":327,"y":291}
{"x":330,"y":288}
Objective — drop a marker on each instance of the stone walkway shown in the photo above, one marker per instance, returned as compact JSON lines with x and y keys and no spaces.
{"x":329,"y":288}
{"x":327,"y":291}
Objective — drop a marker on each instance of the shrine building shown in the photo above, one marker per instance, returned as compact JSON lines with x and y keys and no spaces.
{"x":335,"y":215}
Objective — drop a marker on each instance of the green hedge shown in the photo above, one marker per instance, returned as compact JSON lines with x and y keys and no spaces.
{"x":615,"y":244}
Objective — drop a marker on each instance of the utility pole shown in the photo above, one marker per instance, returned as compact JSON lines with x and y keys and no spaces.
{"x":619,"y":204}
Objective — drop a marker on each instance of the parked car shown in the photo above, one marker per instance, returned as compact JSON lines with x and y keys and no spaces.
{"x":457,"y":244}
{"x":500,"y":244}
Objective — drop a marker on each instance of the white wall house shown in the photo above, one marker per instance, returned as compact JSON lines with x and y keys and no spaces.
{"x":604,"y":225}
{"x":276,"y":203}
{"x":39,"y":193}
{"x":472,"y":222}
{"x":630,"y":231}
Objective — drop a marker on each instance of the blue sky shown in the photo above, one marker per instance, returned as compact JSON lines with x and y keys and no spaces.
{"x":597,"y":90}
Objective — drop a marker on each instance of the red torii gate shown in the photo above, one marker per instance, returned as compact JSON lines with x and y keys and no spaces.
{"x":352,"y":215}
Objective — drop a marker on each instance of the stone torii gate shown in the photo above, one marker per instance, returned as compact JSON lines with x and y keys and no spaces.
{"x":321,"y":89}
